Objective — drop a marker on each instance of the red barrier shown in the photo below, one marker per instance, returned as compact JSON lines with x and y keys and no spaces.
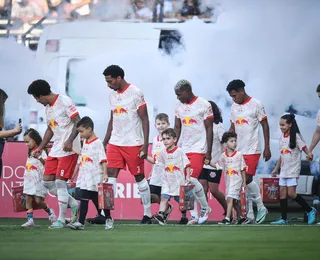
{"x":127,"y":202}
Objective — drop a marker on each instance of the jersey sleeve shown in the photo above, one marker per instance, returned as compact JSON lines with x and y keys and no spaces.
{"x":176,"y":111}
{"x":101,"y":153}
{"x":208,"y":111}
{"x":220,"y":163}
{"x":139,"y":100}
{"x":318,"y":119}
{"x":261,"y":113}
{"x":160,"y":160}
{"x":70,"y":107}
{"x":232,"y":116}
{"x":300,"y":142}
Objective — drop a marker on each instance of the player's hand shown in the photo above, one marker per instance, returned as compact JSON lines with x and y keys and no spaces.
{"x":36,"y":153}
{"x":70,"y":180}
{"x":143,"y":153}
{"x":67,"y":147}
{"x":188,"y":179}
{"x":309,"y":157}
{"x":267,"y":154}
{"x":274,"y":173}
{"x":105,"y":178}
{"x":243,"y":185}
{"x":207,"y":158}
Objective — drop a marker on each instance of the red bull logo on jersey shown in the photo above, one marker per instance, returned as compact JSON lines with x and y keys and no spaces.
{"x":119,"y":110}
{"x":231,"y":172}
{"x":171,"y":168}
{"x":241,"y":121}
{"x":53,"y":123}
{"x":285,"y":151}
{"x":187,"y":121}
{"x":30,"y":167}
{"x":85,"y":159}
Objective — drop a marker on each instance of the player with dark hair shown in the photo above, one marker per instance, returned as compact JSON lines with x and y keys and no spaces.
{"x":127,"y":134}
{"x":62,"y":118}
{"x":246,"y":115}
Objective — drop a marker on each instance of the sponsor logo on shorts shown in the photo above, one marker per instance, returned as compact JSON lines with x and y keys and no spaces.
{"x":213,"y":174}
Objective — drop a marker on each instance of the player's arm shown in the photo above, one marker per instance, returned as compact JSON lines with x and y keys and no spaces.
{"x":46,"y":139}
{"x":209,"y":136}
{"x":68,"y":144}
{"x":109,"y":130}
{"x":75,"y":172}
{"x":188,"y":174}
{"x":105,"y":173}
{"x":177,"y":127}
{"x":314,"y":142}
{"x":243,"y":175}
{"x":266,"y":134}
{"x":276,"y":168}
{"x":143,"y":114}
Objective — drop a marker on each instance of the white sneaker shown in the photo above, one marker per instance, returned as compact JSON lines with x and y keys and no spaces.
{"x":204,"y":214}
{"x":193,"y":221}
{"x":29,"y":223}
{"x":76,"y":226}
{"x":109,"y":224}
{"x":74,"y":214}
{"x":250,"y":215}
{"x":318,"y":223}
{"x":52,"y":216}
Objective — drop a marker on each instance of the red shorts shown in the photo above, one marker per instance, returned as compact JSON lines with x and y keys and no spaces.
{"x":196,"y":161}
{"x":120,"y":156}
{"x":62,"y":167}
{"x":251,"y":161}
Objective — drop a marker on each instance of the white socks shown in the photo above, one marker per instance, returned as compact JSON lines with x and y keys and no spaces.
{"x":144,"y":191}
{"x":113,"y":181}
{"x":254,"y":192}
{"x":194,"y":212}
{"x":50,"y":186}
{"x":63,"y":198}
{"x":198,"y":190}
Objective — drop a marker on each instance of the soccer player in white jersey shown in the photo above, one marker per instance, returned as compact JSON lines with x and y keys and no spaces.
{"x":291,"y":144}
{"x":314,"y":142}
{"x":193,"y":125}
{"x":210,"y":177}
{"x":92,"y":170}
{"x":127,"y":134}
{"x":246,"y":114}
{"x":62,"y":118}
{"x":232,"y":163}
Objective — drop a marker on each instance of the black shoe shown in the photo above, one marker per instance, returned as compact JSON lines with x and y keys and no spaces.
{"x":159,"y":219}
{"x":145,"y":220}
{"x":241,"y":220}
{"x":183,"y":221}
{"x":99,"y":220}
{"x":154,"y":221}
{"x":224,"y":222}
{"x":168,"y":212}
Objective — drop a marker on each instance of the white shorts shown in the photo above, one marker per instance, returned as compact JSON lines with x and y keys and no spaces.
{"x":288,"y":182}
{"x":233,"y":190}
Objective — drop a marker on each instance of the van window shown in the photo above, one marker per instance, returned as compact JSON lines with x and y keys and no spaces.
{"x":71,"y":89}
{"x":169,"y":40}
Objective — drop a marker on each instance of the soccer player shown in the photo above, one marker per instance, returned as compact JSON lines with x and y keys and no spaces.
{"x":93,"y":165}
{"x":246,"y":114}
{"x":62,"y":118}
{"x":210,"y":177}
{"x":193,"y":125}
{"x":232,"y":163}
{"x":127,"y":134}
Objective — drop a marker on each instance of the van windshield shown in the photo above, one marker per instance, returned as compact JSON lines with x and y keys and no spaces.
{"x":71,"y":89}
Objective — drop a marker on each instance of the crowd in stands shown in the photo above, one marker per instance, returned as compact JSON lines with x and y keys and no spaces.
{"x":26,"y":11}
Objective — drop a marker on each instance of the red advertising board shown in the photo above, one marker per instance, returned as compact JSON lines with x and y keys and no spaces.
{"x":127,"y":200}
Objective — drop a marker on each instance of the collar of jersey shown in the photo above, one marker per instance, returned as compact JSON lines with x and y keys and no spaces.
{"x":125,"y":88}
{"x":173,"y":150}
{"x":233,"y":154}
